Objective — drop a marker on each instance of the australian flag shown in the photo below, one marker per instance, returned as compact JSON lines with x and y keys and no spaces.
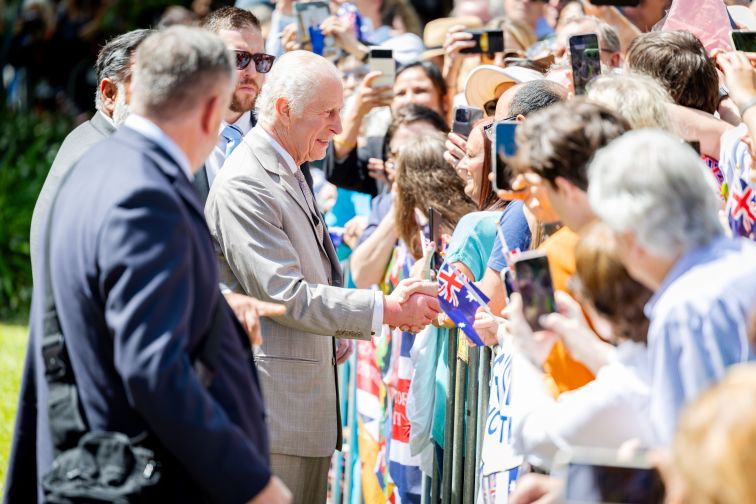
{"x":460,"y":299}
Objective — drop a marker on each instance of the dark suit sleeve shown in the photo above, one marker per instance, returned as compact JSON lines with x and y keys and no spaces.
{"x":147,"y":271}
{"x":350,"y":172}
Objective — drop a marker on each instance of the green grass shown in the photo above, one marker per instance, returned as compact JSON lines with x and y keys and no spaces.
{"x":12,"y":350}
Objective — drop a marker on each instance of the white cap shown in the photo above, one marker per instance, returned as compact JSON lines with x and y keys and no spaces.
{"x":407,"y":47}
{"x":482,"y":82}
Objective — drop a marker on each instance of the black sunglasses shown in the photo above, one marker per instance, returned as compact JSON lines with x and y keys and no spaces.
{"x":263,"y":62}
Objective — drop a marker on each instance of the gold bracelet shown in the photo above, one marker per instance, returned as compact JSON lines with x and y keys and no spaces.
{"x":338,"y":140}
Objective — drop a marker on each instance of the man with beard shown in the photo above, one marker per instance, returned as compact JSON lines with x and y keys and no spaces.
{"x":113,"y":67}
{"x":240,"y":31}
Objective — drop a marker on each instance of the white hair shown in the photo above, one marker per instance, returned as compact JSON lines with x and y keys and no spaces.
{"x":295,"y":76}
{"x":638,"y":98}
{"x":652,"y":184}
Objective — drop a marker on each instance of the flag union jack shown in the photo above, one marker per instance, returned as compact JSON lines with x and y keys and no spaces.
{"x":449,"y":284}
{"x":741,"y":207}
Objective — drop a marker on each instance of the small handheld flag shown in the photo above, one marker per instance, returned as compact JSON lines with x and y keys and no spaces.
{"x":460,"y":300}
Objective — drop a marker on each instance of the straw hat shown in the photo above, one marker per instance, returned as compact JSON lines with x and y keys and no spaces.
{"x":434,"y":33}
{"x":484,"y":80}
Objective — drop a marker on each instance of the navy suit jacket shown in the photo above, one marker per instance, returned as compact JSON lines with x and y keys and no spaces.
{"x":135,"y":283}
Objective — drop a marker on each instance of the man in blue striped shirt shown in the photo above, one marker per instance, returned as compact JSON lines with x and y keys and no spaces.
{"x":655,"y":194}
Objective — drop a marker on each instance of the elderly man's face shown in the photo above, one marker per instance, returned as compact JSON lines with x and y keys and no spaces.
{"x":249,"y":80}
{"x":320,"y":120}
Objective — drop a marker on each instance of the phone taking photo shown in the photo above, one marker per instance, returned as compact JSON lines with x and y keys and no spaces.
{"x":382,"y":60}
{"x":533,"y":282}
{"x":744,"y":40}
{"x":586,"y":60}
{"x":504,"y":147}
{"x":310,"y":15}
{"x":486,"y":42}
{"x":601,"y":476}
{"x":464,"y":118}
{"x":434,"y":223}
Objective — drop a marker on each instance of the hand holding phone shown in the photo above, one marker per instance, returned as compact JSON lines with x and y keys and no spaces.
{"x":599,"y":475}
{"x":435,"y":220}
{"x":585,"y":57}
{"x":382,"y":60}
{"x":504,"y":147}
{"x":464,"y":118}
{"x":486,"y":42}
{"x":533,"y":282}
{"x":743,"y":40}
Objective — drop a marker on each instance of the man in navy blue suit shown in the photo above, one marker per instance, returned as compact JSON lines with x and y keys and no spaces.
{"x":135,"y":284}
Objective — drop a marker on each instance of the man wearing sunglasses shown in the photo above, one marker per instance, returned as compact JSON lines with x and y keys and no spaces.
{"x":240,"y":30}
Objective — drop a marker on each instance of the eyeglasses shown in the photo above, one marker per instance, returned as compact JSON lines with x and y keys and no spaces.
{"x":263,"y":62}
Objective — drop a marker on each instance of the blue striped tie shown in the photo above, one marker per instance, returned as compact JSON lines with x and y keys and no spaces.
{"x":233,"y":136}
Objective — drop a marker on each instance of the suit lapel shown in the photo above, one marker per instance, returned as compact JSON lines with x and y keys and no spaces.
{"x":272,"y":162}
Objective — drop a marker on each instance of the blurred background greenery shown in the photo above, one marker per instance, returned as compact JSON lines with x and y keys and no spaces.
{"x":12,"y":350}
{"x":28,"y":144}
{"x":47,"y":83}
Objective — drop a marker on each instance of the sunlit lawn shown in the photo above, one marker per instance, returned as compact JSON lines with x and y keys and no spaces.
{"x":12,"y":350}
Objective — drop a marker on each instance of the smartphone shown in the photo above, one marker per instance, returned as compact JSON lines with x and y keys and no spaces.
{"x":310,"y":15}
{"x":464,"y":119}
{"x":744,"y":40}
{"x":434,"y":223}
{"x":597,"y":475}
{"x":382,"y":60}
{"x":486,"y":42}
{"x":504,"y":147}
{"x":586,"y":62}
{"x":533,"y":282}
{"x":617,"y":3}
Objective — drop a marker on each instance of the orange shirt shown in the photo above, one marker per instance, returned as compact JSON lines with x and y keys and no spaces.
{"x":564,"y":373}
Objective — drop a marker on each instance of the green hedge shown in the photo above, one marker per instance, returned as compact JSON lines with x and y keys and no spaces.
{"x":28,"y":143}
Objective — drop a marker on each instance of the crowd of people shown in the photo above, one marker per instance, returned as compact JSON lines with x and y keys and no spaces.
{"x":242,"y":215}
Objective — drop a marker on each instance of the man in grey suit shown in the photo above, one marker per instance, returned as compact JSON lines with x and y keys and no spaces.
{"x":113,"y":67}
{"x":273,"y":244}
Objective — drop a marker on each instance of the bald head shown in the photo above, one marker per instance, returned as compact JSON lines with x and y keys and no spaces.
{"x":529,"y":97}
{"x":504,"y":105}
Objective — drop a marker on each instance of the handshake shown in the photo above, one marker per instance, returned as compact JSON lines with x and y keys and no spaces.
{"x":412,"y":306}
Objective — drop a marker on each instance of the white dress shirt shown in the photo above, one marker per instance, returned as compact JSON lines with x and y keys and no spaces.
{"x":606,"y":412}
{"x":217,"y":157}
{"x":150,"y":130}
{"x":292,"y":165}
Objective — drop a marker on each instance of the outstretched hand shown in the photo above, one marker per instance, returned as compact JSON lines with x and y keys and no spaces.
{"x":249,"y":310}
{"x":412,"y":306}
{"x":536,"y":345}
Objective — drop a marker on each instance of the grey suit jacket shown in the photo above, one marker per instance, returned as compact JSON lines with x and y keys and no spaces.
{"x":268,"y":248}
{"x":74,"y":146}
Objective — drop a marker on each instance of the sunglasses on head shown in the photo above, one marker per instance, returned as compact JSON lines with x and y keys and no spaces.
{"x":263,"y":62}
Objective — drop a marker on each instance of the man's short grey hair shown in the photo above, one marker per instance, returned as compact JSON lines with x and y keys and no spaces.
{"x":652,"y":184}
{"x":115,"y":58}
{"x":176,"y":67}
{"x":295,"y":76}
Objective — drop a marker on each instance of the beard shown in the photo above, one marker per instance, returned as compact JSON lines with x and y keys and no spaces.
{"x":244,"y":101}
{"x":121,"y":109}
